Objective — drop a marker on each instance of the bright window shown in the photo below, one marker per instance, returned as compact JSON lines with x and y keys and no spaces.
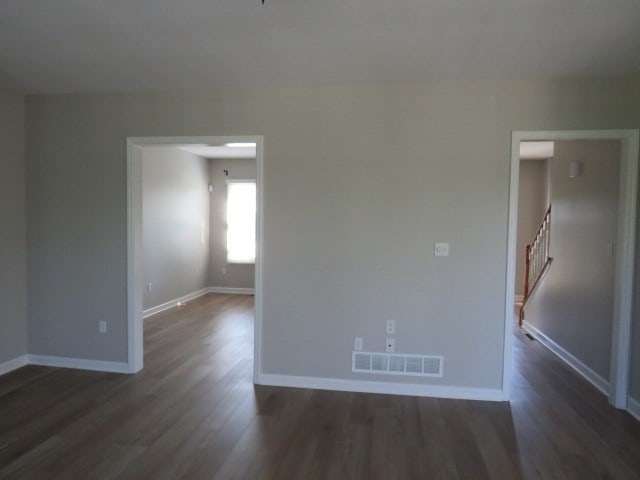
{"x":241,"y":221}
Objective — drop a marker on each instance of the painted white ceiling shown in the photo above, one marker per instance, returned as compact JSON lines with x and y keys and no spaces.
{"x":536,"y":150}
{"x":124,"y":45}
{"x":210,"y":151}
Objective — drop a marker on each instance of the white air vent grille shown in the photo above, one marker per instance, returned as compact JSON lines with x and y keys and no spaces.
{"x":361,"y":361}
{"x":397,"y":364}
{"x":379,"y":363}
{"x":414,"y":364}
{"x":432,"y":365}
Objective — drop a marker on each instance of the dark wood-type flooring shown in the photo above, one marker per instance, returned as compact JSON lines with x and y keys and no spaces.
{"x":193,"y":412}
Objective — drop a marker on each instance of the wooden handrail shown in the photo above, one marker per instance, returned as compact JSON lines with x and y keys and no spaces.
{"x":545,"y":218}
{"x":537,"y":259}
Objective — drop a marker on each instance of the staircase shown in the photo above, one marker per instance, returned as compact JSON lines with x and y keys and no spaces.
{"x":537,"y":260}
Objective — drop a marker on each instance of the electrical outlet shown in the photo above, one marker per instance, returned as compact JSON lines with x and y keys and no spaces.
{"x":390,"y":345}
{"x":148,"y":287}
{"x":102,"y":326}
{"x":357,"y":344}
{"x":391,"y":327}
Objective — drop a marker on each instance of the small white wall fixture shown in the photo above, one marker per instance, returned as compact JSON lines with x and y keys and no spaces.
{"x":135,"y":282}
{"x":623,"y":284}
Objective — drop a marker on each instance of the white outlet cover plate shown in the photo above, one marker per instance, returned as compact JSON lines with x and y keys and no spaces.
{"x":441,"y":249}
{"x":390,"y":345}
{"x":390,"y":327}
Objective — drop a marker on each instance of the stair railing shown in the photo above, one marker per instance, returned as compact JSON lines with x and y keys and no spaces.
{"x":537,"y":259}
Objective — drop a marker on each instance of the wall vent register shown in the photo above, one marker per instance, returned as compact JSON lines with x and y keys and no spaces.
{"x":397,"y":364}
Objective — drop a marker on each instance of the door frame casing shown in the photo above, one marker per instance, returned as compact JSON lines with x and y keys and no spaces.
{"x":625,"y":258}
{"x":135,"y":279}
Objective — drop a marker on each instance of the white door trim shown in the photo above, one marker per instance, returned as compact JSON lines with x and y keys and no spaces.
{"x":623,"y":286}
{"x":135,"y":282}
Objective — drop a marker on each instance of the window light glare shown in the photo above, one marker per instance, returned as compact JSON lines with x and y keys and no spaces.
{"x":240,"y":144}
{"x":241,"y":222}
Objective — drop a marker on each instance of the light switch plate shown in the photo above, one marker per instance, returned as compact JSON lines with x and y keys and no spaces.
{"x":441,"y":249}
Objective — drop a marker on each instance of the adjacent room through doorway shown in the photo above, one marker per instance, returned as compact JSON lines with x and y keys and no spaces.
{"x":195,"y":224}
{"x":572,"y":250}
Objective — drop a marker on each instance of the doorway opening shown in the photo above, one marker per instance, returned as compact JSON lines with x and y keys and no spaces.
{"x":614,"y":213}
{"x":220,"y":162}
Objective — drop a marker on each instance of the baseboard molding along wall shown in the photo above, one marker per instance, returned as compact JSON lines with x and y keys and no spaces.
{"x":583,"y":370}
{"x":366,"y":386}
{"x":79,"y":363}
{"x":14,"y":364}
{"x":63,"y":362}
{"x":172,"y":303}
{"x":192,"y":296}
{"x":232,"y":290}
{"x":633,"y":407}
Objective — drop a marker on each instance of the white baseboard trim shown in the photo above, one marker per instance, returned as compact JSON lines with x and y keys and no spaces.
{"x":583,"y":370}
{"x":14,"y":364}
{"x":366,"y":386}
{"x":633,"y":407}
{"x":172,"y":303}
{"x":232,"y":290}
{"x":79,"y":363}
{"x":192,"y":296}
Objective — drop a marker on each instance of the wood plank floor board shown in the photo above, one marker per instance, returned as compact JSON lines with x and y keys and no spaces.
{"x":573,"y":461}
{"x":438,"y":455}
{"x":194,"y":413}
{"x":220,"y":440}
{"x":30,"y":460}
{"x":466,"y":452}
{"x":21,"y":378}
{"x":51,"y":417}
{"x":247,"y":458}
{"x":497,"y":460}
{"x":585,"y":414}
{"x":538,"y":457}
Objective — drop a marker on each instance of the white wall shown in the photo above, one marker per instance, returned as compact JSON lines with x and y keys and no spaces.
{"x":221,"y":273}
{"x":532,"y":205}
{"x":634,"y":387}
{"x":359,"y":183}
{"x":175,"y":223}
{"x":574,"y":304}
{"x":13,"y":281}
